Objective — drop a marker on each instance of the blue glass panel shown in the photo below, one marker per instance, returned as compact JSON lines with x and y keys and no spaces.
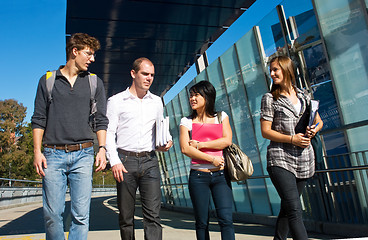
{"x":307,"y":28}
{"x":202,"y":76}
{"x":335,"y":143}
{"x":243,"y":127}
{"x":270,"y":29}
{"x":320,"y":81}
{"x":165,"y":177}
{"x":180,"y":157}
{"x":214,"y":73}
{"x":345,"y":31}
{"x":184,"y":101}
{"x":241,"y":198}
{"x":344,"y":28}
{"x":172,"y":164}
{"x":255,"y":86}
{"x":293,"y":8}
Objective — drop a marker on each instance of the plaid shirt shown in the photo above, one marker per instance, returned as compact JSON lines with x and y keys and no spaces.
{"x":285,"y":120}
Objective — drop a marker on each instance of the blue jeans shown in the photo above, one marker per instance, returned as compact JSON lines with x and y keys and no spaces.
{"x":201,"y":186}
{"x":289,"y":189}
{"x":76,"y":169}
{"x":143,"y":173}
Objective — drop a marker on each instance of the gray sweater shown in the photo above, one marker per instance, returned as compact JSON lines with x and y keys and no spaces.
{"x":65,"y":119}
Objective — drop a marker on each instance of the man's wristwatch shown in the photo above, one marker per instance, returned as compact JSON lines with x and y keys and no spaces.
{"x":103,"y":146}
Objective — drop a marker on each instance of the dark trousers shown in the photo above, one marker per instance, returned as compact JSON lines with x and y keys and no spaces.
{"x":289,"y":189}
{"x":201,"y":186}
{"x":143,"y":173}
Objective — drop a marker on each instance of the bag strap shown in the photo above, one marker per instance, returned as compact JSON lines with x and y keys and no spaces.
{"x":92,"y":78}
{"x":219,"y":117}
{"x":50,"y":81}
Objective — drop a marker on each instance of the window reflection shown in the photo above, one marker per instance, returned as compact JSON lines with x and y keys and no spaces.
{"x":337,"y":78}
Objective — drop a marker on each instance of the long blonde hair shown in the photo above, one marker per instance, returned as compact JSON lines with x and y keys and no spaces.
{"x":287,"y":68}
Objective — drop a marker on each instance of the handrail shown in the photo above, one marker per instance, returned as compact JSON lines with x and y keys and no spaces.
{"x":40,"y":182}
{"x":345,"y":127}
{"x":363,"y":167}
{"x":18,"y":180}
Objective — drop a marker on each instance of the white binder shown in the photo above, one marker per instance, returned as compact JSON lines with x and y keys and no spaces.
{"x":163,"y":135}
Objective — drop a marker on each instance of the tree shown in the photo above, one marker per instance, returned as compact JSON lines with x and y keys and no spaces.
{"x":12,"y":115}
{"x":16,"y":150}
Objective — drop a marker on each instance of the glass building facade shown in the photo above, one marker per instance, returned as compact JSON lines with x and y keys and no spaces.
{"x":327,"y":39}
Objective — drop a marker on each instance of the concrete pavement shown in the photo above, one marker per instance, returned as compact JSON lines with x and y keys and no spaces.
{"x":26,"y":223}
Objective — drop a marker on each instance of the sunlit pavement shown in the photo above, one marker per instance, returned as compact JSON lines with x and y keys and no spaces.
{"x":26,"y":223}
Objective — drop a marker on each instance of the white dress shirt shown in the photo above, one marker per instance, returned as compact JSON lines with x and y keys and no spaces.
{"x":131,"y":123}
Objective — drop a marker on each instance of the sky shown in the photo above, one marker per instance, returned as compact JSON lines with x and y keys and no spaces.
{"x":32,"y":41}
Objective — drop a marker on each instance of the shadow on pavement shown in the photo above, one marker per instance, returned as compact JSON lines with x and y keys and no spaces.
{"x":32,"y":222}
{"x":101,"y":218}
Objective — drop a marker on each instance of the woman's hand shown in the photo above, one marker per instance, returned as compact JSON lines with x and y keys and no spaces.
{"x":218,"y":161}
{"x":311,"y":131}
{"x":300,"y":140}
{"x":194,"y":143}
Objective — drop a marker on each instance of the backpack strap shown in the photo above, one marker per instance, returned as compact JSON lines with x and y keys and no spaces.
{"x":50,"y":80}
{"x":92,"y":78}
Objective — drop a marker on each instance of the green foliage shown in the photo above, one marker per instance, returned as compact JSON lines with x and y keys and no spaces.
{"x":103,"y":178}
{"x":16,"y":144}
{"x":12,"y":115}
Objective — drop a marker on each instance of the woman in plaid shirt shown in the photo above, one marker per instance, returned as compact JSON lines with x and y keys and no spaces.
{"x":290,"y":156}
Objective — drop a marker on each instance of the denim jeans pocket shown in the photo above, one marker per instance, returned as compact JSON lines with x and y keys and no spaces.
{"x":48,"y":151}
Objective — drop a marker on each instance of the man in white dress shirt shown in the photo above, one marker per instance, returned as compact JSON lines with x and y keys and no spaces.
{"x":130,"y":148}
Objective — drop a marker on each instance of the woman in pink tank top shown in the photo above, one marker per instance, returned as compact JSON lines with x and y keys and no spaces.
{"x":202,"y":138}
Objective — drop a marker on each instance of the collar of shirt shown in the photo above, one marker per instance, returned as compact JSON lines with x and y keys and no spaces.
{"x":289,"y":105}
{"x":127,"y":94}
{"x":59,"y":74}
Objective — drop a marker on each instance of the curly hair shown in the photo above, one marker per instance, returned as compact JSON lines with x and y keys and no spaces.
{"x":81,"y":41}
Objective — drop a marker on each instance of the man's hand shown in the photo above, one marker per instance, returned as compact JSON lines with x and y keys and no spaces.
{"x":166,"y":147}
{"x":117,"y":171}
{"x":39,"y":163}
{"x":100,"y":160}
